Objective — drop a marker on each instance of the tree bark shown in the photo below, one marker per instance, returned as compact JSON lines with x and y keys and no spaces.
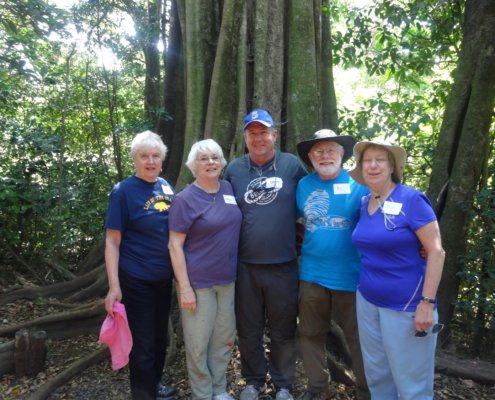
{"x":87,"y":319}
{"x":477,"y":370}
{"x":200,"y":38}
{"x":223,"y":102}
{"x":7,"y":358}
{"x":463,"y":142}
{"x":266,"y":55}
{"x":329,"y":115}
{"x":171,"y":124}
{"x":302,"y":87}
{"x":55,"y":290}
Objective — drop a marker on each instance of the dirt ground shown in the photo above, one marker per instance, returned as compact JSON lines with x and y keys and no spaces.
{"x":101,"y":382}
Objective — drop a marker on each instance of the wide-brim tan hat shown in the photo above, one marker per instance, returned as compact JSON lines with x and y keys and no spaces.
{"x":400,"y":157}
{"x":325,"y":135}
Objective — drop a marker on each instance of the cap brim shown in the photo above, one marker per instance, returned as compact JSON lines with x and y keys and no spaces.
{"x":267,"y":124}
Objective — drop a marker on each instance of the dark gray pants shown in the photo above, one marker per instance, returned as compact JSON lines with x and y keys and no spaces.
{"x":267,"y":292}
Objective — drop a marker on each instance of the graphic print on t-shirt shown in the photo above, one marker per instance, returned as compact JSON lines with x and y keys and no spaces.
{"x":159,"y":202}
{"x":263,"y":190}
{"x":316,"y":210}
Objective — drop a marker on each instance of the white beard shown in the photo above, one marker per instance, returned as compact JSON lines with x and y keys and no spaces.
{"x":327,"y":170}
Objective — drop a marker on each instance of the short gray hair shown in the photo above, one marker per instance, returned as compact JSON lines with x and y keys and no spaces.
{"x":148,"y":139}
{"x":204,"y":146}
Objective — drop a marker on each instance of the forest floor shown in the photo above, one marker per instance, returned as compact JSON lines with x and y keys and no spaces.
{"x":101,"y":382}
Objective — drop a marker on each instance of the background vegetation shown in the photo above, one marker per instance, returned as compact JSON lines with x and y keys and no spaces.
{"x":77,"y":83}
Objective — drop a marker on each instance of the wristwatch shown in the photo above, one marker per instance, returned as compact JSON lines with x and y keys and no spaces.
{"x":427,"y":299}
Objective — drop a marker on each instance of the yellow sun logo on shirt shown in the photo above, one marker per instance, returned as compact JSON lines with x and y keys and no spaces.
{"x":161,"y":206}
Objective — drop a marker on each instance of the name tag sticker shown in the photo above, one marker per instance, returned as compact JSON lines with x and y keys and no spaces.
{"x":389,"y":207}
{"x":167,"y":189}
{"x":341,"y":188}
{"x":229,"y":199}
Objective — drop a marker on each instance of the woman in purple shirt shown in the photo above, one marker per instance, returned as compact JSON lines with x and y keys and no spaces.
{"x":396,"y":299}
{"x":204,"y":225}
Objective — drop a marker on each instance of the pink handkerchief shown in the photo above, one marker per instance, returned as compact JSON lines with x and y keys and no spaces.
{"x":115,"y":333}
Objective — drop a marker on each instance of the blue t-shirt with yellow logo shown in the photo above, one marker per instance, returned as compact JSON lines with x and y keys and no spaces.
{"x":139,"y":210}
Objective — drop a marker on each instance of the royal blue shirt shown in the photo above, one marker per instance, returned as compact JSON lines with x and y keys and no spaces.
{"x":393,"y":270}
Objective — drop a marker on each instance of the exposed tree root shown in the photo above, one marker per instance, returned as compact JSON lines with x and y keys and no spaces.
{"x":56,"y":290}
{"x":74,"y":369}
{"x":476,"y":370}
{"x":87,"y":319}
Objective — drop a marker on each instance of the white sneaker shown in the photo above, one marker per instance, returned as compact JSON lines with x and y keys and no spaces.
{"x":222,"y":396}
{"x":249,"y":393}
{"x":283,"y":394}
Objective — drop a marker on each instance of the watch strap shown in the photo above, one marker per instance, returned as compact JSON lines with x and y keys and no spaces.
{"x":428,"y":299}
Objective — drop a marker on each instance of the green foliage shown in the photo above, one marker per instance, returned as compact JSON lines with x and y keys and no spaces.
{"x":409,"y":49}
{"x":61,"y":130}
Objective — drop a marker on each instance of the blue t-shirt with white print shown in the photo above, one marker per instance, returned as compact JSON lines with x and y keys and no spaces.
{"x":330,"y":209}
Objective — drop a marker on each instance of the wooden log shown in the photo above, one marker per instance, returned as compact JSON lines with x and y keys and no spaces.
{"x":37,"y":353}
{"x":476,"y":370}
{"x":56,"y":290}
{"x":29,"y":352}
{"x":86,"y":319}
{"x":7,"y":358}
{"x":21,"y":353}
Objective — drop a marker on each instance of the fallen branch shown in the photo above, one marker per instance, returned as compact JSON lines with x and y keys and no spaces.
{"x":64,"y":324}
{"x":55,"y":290}
{"x":7,"y":357}
{"x":476,"y":370}
{"x":74,"y":369}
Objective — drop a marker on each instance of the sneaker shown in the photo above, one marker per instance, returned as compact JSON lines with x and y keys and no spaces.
{"x":165,"y":392}
{"x":222,"y":396}
{"x":249,"y":393}
{"x":283,"y":394}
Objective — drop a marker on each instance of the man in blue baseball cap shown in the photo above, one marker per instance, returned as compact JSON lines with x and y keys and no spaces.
{"x":264,"y":182}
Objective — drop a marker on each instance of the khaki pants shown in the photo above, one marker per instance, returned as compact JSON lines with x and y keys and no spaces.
{"x":315,"y":312}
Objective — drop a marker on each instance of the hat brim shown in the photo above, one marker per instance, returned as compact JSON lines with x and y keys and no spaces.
{"x":399,"y":154}
{"x":304,"y":147}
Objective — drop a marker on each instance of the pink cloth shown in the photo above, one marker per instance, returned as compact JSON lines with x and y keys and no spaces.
{"x":115,"y":333}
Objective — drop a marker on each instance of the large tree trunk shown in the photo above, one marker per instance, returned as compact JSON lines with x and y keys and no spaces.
{"x":200,"y":36}
{"x":223,"y":103}
{"x":171,"y":124}
{"x":302,"y":69}
{"x":329,"y":116}
{"x":265,"y":56}
{"x":463,"y":142}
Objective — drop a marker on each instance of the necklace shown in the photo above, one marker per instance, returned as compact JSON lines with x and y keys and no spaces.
{"x":213,"y":194}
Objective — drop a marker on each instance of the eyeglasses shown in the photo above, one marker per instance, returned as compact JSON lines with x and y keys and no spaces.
{"x":321,"y":152}
{"x":206,"y":159}
{"x":437,"y":328}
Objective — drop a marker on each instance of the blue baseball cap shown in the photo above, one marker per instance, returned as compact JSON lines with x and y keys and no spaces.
{"x":258,"y":115}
